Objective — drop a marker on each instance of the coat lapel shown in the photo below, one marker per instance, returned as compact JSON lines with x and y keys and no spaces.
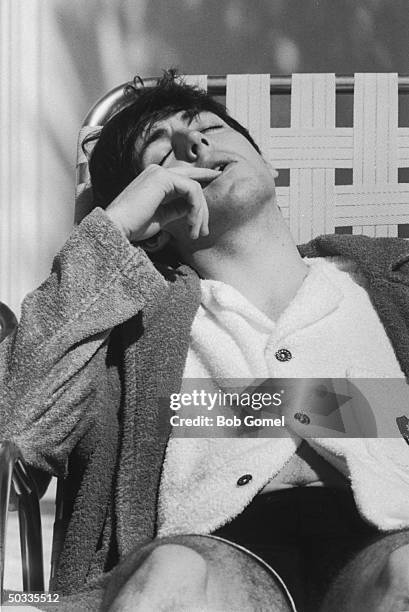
{"x":157,"y":342}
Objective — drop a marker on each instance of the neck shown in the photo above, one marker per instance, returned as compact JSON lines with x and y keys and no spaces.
{"x":259,"y":259}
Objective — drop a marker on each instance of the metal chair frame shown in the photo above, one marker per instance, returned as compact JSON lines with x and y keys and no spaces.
{"x":15,"y":477}
{"x":279,"y":85}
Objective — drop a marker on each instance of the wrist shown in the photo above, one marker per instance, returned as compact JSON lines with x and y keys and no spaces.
{"x":115,"y":218}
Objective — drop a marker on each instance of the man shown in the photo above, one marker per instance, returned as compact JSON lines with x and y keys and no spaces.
{"x":109,"y":334}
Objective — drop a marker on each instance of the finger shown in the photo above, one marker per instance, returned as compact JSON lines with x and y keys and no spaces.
{"x":177,"y":209}
{"x":204,"y":229}
{"x":202,"y":175}
{"x":201,"y":228}
{"x":178,"y":185}
{"x":172,"y":210}
{"x":195,"y":216}
{"x":192,"y":192}
{"x":202,"y":218}
{"x":205,"y":222}
{"x":195,"y":225}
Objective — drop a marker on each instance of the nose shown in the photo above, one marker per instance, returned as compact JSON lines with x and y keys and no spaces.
{"x":189,"y":145}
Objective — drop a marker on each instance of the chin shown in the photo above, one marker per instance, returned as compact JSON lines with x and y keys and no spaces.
{"x":245,"y":196}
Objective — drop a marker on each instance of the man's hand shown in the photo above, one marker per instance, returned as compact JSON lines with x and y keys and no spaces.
{"x":158,"y":196}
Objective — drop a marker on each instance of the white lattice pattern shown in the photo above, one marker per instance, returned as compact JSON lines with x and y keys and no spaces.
{"x":313,"y":147}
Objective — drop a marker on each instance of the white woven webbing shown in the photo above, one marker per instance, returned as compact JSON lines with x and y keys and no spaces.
{"x":313,"y":147}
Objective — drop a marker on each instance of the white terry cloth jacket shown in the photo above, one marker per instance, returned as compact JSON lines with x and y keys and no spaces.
{"x":331,"y":331}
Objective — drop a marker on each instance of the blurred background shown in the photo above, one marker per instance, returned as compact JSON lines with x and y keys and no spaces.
{"x":58,"y":57}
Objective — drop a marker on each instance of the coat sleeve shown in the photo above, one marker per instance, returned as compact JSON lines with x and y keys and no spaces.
{"x":54,"y":363}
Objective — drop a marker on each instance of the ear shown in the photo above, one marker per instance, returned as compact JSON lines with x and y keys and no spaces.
{"x":155,"y":243}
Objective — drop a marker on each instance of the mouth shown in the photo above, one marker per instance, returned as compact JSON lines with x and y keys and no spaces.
{"x":220,"y":165}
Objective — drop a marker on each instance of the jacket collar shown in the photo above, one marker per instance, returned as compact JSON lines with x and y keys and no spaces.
{"x":375,"y":256}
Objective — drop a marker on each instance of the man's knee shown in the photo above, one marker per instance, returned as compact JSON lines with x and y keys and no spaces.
{"x":193,"y":573}
{"x":172,"y":577}
{"x":170,"y":560}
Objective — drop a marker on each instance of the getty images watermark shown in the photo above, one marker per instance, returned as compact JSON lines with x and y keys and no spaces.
{"x":276,"y":408}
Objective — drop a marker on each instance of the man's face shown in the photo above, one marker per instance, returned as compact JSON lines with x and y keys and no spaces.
{"x":207,"y":141}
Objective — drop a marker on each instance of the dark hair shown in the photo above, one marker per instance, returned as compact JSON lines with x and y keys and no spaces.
{"x":113,"y":162}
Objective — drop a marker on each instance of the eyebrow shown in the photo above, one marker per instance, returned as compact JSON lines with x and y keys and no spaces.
{"x":156,"y":134}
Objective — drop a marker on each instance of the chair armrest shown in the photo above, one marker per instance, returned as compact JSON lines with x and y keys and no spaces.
{"x":15,"y":476}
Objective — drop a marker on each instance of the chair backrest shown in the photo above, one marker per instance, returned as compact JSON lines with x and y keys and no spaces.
{"x":8,"y":321}
{"x":312,"y":148}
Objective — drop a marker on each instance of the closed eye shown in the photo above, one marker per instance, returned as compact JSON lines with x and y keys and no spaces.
{"x":211,"y":127}
{"x":162,"y":161}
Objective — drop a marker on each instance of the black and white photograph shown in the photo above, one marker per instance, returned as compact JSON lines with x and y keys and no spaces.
{"x":204,"y":305}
